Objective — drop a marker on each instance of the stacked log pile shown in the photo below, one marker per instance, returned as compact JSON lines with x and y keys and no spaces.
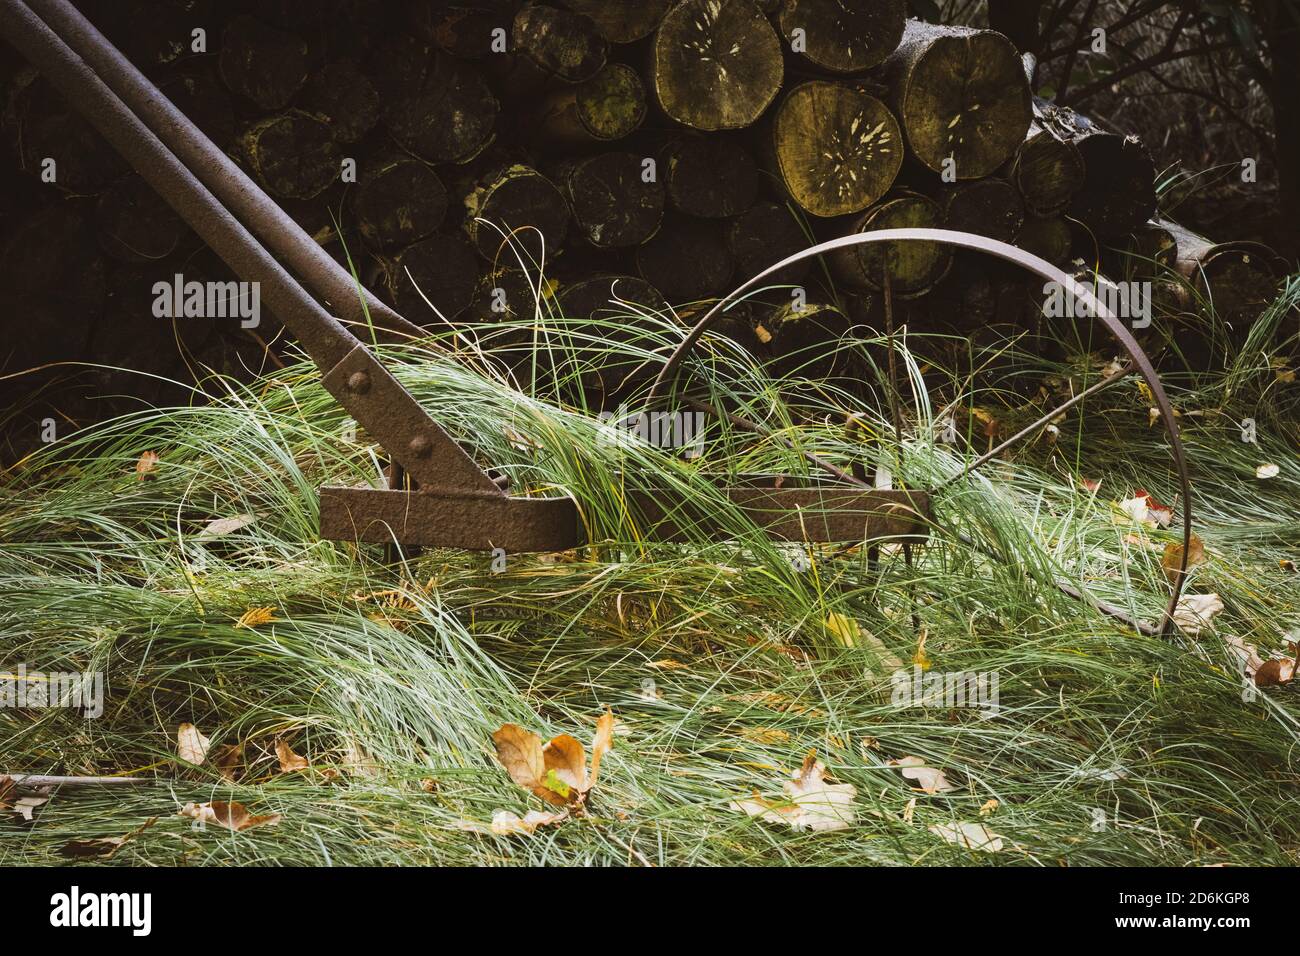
{"x":681,"y":145}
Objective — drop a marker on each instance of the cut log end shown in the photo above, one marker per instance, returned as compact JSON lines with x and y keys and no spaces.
{"x":612,"y":203}
{"x":914,"y":267}
{"x":844,"y":36}
{"x":963,"y":97}
{"x":717,"y":64}
{"x":837,"y":148}
{"x":517,"y":215}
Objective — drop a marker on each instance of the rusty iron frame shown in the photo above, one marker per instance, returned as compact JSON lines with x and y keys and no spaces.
{"x":451,"y":501}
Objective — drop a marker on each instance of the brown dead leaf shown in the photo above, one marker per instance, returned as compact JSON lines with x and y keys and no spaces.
{"x":102,"y":846}
{"x":566,"y":759}
{"x":928,"y":780}
{"x":8,"y":792}
{"x":232,"y":815}
{"x":556,"y":772}
{"x":289,"y":761}
{"x":146,"y":467}
{"x":601,"y":744}
{"x":229,"y":760}
{"x":520,"y":752}
{"x":1279,"y":670}
{"x":1173,"y":557}
{"x":191,"y":746}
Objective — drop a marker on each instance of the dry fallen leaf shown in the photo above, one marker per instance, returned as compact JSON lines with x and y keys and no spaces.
{"x":229,"y":760}
{"x":231,"y":815}
{"x":1275,"y":672}
{"x":565,"y":757}
{"x":505,"y":823}
{"x":222,"y":526}
{"x":102,"y":846}
{"x":988,"y":807}
{"x":556,"y":772}
{"x":1173,"y":556}
{"x":26,"y":806}
{"x":1194,"y":612}
{"x":191,"y":746}
{"x":601,"y":744}
{"x":810,"y":804}
{"x":972,"y":836}
{"x":928,"y":780}
{"x":289,"y":761}
{"x":8,"y":791}
{"x":1267,"y":471}
{"x":146,"y":467}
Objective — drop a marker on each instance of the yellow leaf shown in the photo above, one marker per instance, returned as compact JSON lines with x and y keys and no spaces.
{"x":255,"y":616}
{"x":845,"y":630}
{"x":1173,"y":557}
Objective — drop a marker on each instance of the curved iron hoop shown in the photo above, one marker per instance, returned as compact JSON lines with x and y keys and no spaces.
{"x":1041,"y":267}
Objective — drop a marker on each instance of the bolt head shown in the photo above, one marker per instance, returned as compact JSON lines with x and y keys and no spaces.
{"x":419,"y":446}
{"x":359,"y":382}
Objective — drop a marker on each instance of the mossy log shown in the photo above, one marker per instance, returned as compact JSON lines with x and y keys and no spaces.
{"x":1048,"y":170}
{"x":560,"y":42}
{"x":844,"y":36}
{"x":604,"y":108}
{"x":342,"y":98}
{"x":764,"y":235}
{"x":914,"y":267}
{"x":961,"y":95}
{"x":517,"y":214}
{"x":622,"y":21}
{"x":987,"y":207}
{"x":717,"y":64}
{"x":687,"y":260}
{"x":713,"y":177}
{"x":397,"y":201}
{"x":613,"y":204}
{"x":434,"y":105}
{"x":292,"y":155}
{"x":265,"y":65}
{"x":442,"y":269}
{"x":837,"y":149}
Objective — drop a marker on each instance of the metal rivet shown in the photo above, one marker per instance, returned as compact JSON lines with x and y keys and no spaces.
{"x":419,"y":445}
{"x":359,"y":382}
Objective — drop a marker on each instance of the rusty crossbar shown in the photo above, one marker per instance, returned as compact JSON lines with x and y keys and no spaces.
{"x":453,"y":502}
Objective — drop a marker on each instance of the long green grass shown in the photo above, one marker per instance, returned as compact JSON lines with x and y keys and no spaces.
{"x":715,"y":655}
